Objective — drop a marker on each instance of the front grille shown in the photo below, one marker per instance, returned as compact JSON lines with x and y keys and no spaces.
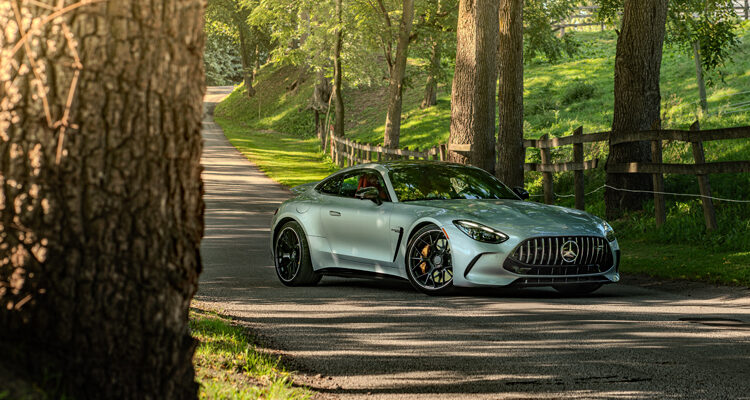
{"x":544,"y":256}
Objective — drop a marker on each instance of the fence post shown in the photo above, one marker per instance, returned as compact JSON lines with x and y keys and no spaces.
{"x":443,"y":150}
{"x":705,"y":186}
{"x":332,"y":146}
{"x":379,"y":151}
{"x":747,"y":10}
{"x":578,"y":174}
{"x":340,"y":151}
{"x":658,"y":179}
{"x":352,"y":154}
{"x":549,"y":191}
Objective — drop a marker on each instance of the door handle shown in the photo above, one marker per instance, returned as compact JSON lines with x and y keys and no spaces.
{"x":334,"y":213}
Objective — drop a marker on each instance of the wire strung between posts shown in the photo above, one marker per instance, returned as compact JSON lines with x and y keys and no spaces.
{"x":648,"y":191}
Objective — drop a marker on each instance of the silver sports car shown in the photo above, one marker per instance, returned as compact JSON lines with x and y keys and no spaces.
{"x":439,"y":225}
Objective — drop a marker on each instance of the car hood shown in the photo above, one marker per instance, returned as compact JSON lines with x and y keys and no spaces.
{"x":519,"y":217}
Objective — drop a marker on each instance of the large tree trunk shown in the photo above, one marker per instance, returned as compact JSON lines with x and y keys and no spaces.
{"x":637,"y":98}
{"x":101,"y":210}
{"x":247,"y":63}
{"x":474,"y":82}
{"x":395,"y":86}
{"x":510,"y":94}
{"x":338,"y":124}
{"x":430,"y":89}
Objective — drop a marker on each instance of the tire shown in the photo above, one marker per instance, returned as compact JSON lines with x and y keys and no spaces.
{"x":429,"y":265}
{"x":291,"y":256}
{"x":578,"y":288}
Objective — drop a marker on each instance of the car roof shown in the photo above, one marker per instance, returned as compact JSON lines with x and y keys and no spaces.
{"x":394,"y":164}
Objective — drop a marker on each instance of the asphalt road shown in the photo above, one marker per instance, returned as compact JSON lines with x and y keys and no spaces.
{"x":380,"y":339}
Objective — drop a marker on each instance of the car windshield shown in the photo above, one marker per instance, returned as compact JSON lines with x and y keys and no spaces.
{"x":413,"y":182}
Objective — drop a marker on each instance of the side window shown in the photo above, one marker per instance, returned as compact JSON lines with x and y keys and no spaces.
{"x":331,"y":186}
{"x":350,"y":184}
{"x":361,"y":179}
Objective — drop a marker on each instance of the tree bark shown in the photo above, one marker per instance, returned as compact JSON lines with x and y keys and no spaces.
{"x":338,"y":122}
{"x":474,"y":82}
{"x":256,"y":60}
{"x":247,"y":69}
{"x":395,"y":86}
{"x":637,"y":98}
{"x":511,"y":154}
{"x":321,"y":95}
{"x":430,"y":89}
{"x":101,"y":210}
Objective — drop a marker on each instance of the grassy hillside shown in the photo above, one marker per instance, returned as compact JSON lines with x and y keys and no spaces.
{"x":557,"y":98}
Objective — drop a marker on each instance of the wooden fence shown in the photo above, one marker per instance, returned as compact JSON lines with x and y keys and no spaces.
{"x":700,"y":168}
{"x":349,"y":152}
{"x":345,"y":152}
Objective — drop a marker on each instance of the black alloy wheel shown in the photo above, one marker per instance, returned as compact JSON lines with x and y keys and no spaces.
{"x":429,"y":265}
{"x":292,"y":257}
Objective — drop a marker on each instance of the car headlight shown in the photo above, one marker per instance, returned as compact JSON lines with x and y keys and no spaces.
{"x":609,"y":233}
{"x":479,"y":232}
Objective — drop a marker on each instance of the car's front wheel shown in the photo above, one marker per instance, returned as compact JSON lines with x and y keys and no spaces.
{"x":292,"y":257}
{"x":429,"y":265}
{"x":577,"y":288}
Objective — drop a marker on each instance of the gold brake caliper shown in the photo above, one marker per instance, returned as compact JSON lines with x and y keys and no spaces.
{"x":423,"y":265}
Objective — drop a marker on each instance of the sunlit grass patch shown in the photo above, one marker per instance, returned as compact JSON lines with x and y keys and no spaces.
{"x":287,"y":159}
{"x":679,"y":261}
{"x":229,"y":366}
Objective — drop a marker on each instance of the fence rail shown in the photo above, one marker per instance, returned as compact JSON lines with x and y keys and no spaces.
{"x":345,"y":152}
{"x":349,"y":152}
{"x":585,"y":16}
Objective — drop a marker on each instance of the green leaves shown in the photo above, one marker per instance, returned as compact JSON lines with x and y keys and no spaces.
{"x":713,"y":24}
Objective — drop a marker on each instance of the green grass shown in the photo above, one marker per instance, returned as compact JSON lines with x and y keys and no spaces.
{"x":229,"y":366}
{"x":678,"y":261}
{"x":289,"y":160}
{"x":557,"y":99}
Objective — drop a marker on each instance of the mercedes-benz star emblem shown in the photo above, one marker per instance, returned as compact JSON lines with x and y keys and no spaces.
{"x":569,"y":251}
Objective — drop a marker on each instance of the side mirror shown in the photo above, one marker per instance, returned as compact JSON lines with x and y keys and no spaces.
{"x":369,"y":193}
{"x":521,"y":192}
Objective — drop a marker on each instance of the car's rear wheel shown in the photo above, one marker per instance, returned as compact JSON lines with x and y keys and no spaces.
{"x":578,"y":288}
{"x":429,"y":265}
{"x":292,"y":257}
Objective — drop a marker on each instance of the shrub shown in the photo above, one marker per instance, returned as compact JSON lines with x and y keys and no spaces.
{"x":577,"y":91}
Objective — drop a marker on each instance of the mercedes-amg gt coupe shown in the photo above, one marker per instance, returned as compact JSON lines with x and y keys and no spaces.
{"x":441,"y":226}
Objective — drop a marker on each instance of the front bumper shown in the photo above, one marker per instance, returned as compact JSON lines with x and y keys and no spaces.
{"x":478,"y":264}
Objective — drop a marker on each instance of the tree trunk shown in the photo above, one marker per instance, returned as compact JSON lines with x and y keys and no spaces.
{"x":395,"y":86}
{"x":338,"y":123}
{"x":699,"y":76}
{"x":510,"y":94}
{"x":101,"y":210}
{"x":256,"y":60}
{"x":474,"y":82}
{"x":247,"y":69}
{"x":637,"y":98}
{"x":321,"y":95}
{"x":430,"y":89}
